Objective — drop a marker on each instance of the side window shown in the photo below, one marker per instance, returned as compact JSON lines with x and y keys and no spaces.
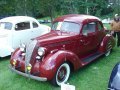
{"x":89,"y":28}
{"x":35,"y":25}
{"x":100,"y":27}
{"x":22,"y":26}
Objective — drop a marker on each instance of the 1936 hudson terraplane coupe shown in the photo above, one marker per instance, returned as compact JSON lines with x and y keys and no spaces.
{"x":74,"y":41}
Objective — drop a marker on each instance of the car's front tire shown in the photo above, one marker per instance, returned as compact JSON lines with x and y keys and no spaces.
{"x":62,"y":74}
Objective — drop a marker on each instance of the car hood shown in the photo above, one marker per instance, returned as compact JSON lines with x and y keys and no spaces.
{"x":56,"y":36}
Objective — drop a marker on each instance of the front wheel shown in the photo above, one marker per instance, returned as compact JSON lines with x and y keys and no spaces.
{"x":62,"y":74}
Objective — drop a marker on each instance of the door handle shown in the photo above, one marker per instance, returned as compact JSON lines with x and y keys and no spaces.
{"x":84,"y":42}
{"x":81,"y":40}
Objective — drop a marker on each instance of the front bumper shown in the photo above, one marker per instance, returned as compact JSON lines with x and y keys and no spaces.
{"x":28,"y":75}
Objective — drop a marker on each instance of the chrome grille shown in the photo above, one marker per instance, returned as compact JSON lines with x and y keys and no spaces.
{"x":29,"y":50}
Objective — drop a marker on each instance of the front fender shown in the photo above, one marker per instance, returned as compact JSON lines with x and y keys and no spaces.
{"x":52,"y":62}
{"x":5,"y":50}
{"x":108,"y":38}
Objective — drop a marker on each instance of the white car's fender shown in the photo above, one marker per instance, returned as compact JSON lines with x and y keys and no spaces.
{"x":5,"y":50}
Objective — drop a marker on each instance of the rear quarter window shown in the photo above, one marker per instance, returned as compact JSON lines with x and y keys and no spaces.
{"x":6,"y":25}
{"x":35,"y":25}
{"x":89,"y":27}
{"x":100,"y":27}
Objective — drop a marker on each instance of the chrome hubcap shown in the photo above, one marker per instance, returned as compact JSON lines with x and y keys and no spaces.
{"x":62,"y":74}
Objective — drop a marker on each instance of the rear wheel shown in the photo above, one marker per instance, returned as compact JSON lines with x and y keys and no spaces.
{"x":108,"y":48}
{"x":107,"y":53}
{"x":62,"y":74}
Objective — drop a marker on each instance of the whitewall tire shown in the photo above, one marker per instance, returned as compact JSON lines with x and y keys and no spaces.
{"x":62,"y":74}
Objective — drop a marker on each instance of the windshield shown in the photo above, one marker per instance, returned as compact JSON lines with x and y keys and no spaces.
{"x":66,"y":26}
{"x":6,"y":25}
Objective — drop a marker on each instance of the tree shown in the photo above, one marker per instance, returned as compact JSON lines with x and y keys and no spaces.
{"x":67,"y":6}
{"x":48,"y":7}
{"x":7,"y":8}
{"x":53,"y":8}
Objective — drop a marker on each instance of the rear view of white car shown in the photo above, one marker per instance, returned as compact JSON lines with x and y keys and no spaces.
{"x":16,"y":30}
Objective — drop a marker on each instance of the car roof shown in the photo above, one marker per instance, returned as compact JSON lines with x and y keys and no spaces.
{"x":16,"y":19}
{"x":77,"y":18}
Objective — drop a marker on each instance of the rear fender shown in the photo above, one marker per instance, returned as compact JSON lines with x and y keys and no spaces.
{"x":107,"y":39}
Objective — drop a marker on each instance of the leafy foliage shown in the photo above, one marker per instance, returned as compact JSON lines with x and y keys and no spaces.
{"x":53,"y":8}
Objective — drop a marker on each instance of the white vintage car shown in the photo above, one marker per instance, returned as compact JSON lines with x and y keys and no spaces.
{"x":16,"y":30}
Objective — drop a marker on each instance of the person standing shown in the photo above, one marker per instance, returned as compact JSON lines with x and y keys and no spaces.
{"x":115,"y":27}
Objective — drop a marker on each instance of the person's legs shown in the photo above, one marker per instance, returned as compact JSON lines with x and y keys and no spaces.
{"x":118,"y":39}
{"x":114,"y":34}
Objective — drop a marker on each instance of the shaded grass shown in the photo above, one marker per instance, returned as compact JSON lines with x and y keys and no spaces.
{"x":94,"y":76}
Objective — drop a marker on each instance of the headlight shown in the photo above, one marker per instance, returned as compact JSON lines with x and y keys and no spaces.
{"x":14,"y":62}
{"x":41,"y":51}
{"x":22,"y":47}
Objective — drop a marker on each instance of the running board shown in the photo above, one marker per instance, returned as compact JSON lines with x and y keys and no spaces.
{"x":92,"y":57}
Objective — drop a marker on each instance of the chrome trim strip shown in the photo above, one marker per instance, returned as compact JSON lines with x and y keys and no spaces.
{"x":29,"y":50}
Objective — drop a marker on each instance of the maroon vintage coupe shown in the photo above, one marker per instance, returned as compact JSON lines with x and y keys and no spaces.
{"x":74,"y":41}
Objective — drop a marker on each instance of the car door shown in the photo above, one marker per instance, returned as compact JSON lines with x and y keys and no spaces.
{"x":21,"y":34}
{"x":88,"y":43}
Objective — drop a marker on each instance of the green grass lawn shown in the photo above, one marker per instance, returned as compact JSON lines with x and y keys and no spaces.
{"x":91,"y":77}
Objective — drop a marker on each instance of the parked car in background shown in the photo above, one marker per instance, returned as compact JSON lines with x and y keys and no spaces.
{"x":74,"y":41}
{"x":4,"y":16}
{"x":114,"y":81}
{"x":44,"y":21}
{"x":16,"y":30}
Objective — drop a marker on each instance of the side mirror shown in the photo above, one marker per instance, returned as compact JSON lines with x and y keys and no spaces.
{"x":114,"y":81}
